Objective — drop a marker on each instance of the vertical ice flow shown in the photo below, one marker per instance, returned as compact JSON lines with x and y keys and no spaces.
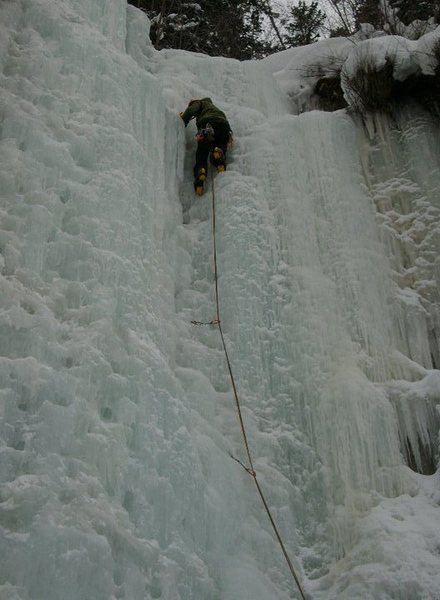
{"x":117,"y":418}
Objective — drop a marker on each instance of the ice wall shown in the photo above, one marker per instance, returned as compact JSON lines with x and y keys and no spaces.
{"x":117,"y":418}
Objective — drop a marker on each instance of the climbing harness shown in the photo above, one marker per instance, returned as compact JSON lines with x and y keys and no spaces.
{"x":250,"y":468}
{"x":205,"y":134}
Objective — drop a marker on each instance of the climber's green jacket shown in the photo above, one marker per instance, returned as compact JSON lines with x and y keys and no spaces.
{"x":205,"y":112}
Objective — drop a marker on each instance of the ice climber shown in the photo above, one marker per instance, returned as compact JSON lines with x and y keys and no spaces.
{"x":213,"y":136}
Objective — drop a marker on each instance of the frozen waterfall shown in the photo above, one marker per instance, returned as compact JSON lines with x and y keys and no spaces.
{"x":117,"y":418}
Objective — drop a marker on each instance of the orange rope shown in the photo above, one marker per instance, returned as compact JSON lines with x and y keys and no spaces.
{"x":250,"y":469}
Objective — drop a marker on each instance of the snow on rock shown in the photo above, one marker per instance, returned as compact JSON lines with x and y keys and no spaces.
{"x":298,"y":70}
{"x":406,"y":58}
{"x":116,"y":415}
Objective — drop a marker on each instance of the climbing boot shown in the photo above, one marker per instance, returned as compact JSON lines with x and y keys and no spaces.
{"x":217,"y":155}
{"x":199,"y":181}
{"x":198,"y":187}
{"x":218,"y":159}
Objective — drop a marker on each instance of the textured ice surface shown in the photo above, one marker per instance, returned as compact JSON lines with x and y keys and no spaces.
{"x":117,"y":418}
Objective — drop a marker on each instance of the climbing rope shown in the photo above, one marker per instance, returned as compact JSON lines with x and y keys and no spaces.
{"x":249,"y":469}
